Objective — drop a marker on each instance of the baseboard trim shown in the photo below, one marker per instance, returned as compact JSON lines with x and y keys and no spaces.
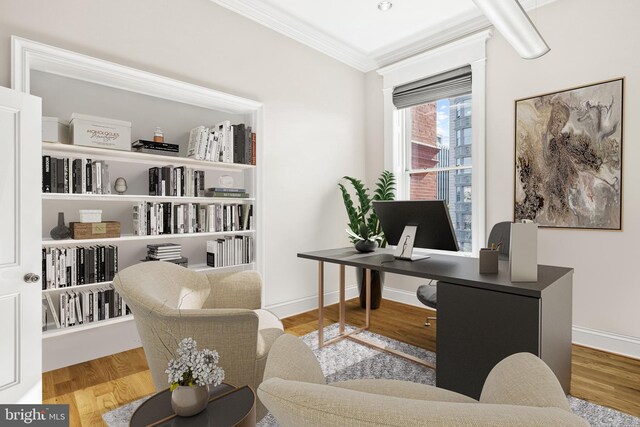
{"x":601,"y":340}
{"x":612,"y":343}
{"x":302,"y":305}
{"x":400,"y":295}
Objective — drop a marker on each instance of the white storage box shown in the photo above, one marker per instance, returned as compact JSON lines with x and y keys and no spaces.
{"x":90,"y":215}
{"x":92,"y":131}
{"x":55,"y":130}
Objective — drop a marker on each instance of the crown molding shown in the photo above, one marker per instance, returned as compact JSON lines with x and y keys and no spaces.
{"x":289,"y":26}
{"x":286,"y":24}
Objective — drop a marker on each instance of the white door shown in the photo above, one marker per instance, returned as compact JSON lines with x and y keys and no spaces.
{"x":20,"y":248}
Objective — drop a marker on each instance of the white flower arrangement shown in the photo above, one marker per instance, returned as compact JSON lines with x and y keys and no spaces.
{"x":194,"y":367}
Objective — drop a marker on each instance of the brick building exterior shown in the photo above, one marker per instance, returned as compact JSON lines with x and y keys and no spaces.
{"x":424,"y":151}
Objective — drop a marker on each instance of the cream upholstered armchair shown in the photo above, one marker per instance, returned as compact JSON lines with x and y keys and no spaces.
{"x":520,"y":391}
{"x":220,"y":311}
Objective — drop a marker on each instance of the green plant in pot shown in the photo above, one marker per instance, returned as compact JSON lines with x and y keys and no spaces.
{"x":364,"y":228}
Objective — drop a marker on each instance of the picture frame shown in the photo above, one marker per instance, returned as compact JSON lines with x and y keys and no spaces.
{"x":568,"y":157}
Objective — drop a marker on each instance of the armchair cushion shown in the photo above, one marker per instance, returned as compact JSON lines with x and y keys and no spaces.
{"x":291,"y":359}
{"x":234,"y":290}
{"x":404,"y":389}
{"x":269,"y":329}
{"x":524,"y":379}
{"x":296,"y":403}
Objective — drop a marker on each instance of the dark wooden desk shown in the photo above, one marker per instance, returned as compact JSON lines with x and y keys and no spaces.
{"x":228,"y":406}
{"x":482,"y":318}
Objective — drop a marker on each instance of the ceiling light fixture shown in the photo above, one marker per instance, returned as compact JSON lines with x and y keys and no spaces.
{"x":385,"y":5}
{"x":514,"y":24}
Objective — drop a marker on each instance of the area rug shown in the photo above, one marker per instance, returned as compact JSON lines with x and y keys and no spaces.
{"x":347,"y":360}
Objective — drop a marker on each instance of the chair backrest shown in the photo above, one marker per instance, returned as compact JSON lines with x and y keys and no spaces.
{"x":501,"y":232}
{"x":162,"y":286}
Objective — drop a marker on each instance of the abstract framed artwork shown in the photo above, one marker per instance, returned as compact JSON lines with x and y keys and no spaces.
{"x":568,"y":157}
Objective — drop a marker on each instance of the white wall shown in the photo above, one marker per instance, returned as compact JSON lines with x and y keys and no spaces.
{"x":588,"y":44}
{"x":314,"y":105}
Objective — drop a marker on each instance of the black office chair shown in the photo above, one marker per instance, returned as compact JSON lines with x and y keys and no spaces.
{"x":499,"y":237}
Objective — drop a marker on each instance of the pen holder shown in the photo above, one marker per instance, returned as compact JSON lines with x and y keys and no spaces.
{"x":488,"y":262}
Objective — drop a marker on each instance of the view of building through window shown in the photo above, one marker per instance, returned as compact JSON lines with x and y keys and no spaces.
{"x":440,"y":159}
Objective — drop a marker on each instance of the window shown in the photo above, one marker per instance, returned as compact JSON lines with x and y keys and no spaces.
{"x":442,"y":159}
{"x":438,"y":163}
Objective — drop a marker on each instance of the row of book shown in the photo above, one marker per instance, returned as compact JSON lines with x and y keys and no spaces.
{"x":67,"y":267}
{"x":154,"y":218}
{"x":223,"y":142}
{"x":86,"y":306}
{"x":176,"y":181}
{"x":229,"y":250}
{"x":78,"y":176}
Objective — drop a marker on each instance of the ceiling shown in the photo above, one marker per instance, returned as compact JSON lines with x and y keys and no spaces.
{"x":358,"y":34}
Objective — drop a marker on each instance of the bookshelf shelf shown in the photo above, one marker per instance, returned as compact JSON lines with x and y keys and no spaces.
{"x":134,"y":238}
{"x":54,"y":148}
{"x":204,"y":268}
{"x":52,"y":333}
{"x":73,"y":288}
{"x":142,"y":198}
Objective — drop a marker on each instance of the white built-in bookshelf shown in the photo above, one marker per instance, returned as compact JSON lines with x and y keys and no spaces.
{"x":69,"y":83}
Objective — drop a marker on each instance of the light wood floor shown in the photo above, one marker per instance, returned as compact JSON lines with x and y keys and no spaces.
{"x":98,"y":386}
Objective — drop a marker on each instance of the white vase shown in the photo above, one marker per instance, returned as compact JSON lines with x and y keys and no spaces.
{"x":188,"y":401}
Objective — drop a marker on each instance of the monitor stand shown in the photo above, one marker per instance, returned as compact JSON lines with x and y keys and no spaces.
{"x":404,"y":250}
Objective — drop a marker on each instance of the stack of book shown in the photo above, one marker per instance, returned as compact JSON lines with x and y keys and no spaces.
{"x":170,"y":252}
{"x":223,"y":142}
{"x":159,"y":148}
{"x":226,"y":192}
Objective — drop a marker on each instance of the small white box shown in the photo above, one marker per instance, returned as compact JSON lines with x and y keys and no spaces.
{"x":91,"y":131}
{"x":523,"y":252}
{"x":90,"y":215}
{"x":55,"y":130}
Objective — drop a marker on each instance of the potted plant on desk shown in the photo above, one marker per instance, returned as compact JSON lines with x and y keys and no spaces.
{"x":364,"y":228}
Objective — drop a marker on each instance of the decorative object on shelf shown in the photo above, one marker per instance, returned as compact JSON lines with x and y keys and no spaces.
{"x":189,"y":376}
{"x":95,"y":230}
{"x":91,"y":131}
{"x":568,"y":157}
{"x":55,"y":130}
{"x":120,"y":185}
{"x":226,"y":181}
{"x":364,"y":226}
{"x":90,"y":215}
{"x":60,"y":231}
{"x":158,"y":135}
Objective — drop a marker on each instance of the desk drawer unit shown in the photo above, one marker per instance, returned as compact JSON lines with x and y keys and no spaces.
{"x":477,"y":328}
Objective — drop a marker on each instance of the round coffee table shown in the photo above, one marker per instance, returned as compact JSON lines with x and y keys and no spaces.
{"x":228,"y":406}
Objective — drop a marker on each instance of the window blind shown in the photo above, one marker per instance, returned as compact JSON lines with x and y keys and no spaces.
{"x":446,"y":85}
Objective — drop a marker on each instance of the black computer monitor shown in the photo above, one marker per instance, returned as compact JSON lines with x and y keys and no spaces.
{"x":416,"y":223}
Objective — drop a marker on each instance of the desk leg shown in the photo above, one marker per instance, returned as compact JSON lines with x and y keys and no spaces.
{"x":367,"y":275}
{"x":320,"y":304}
{"x":342,"y":302}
